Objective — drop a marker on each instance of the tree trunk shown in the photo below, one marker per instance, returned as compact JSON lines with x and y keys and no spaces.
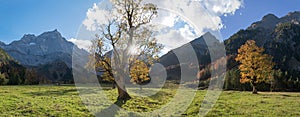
{"x":254,"y":91}
{"x":113,"y":85}
{"x":123,"y":95}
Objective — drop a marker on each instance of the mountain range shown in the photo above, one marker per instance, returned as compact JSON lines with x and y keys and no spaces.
{"x":279,"y":36}
{"x":51,"y":55}
{"x":201,"y":47}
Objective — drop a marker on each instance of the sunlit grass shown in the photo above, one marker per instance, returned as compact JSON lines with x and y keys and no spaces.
{"x":65,"y":101}
{"x":41,"y":101}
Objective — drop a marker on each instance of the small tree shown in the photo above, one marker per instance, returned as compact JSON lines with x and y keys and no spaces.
{"x":255,"y":66}
{"x":139,"y":73}
{"x":31,"y":77}
{"x":3,"y":79}
{"x":125,"y":38}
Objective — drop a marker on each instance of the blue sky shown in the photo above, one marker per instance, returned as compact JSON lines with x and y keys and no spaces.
{"x":254,"y":10}
{"x":19,"y":17}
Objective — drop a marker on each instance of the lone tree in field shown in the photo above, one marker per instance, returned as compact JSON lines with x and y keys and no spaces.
{"x":126,"y":38}
{"x":139,"y":73}
{"x":255,"y":66}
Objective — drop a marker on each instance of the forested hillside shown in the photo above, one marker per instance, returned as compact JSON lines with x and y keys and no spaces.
{"x":12,"y":73}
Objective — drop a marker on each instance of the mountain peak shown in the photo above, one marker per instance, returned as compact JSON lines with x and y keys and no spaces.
{"x":270,"y":21}
{"x":294,"y":13}
{"x":53,"y":33}
{"x":292,"y":17}
{"x":46,"y":38}
{"x":208,"y":34}
{"x":51,"y":37}
{"x":25,"y":39}
{"x":206,"y":39}
{"x":28,"y":35}
{"x":37,"y":50}
{"x":270,"y":17}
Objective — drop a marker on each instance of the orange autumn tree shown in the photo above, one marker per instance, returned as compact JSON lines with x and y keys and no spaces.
{"x":255,"y":67}
{"x":139,"y":73}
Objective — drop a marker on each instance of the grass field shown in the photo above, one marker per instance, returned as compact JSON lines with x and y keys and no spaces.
{"x":65,"y":101}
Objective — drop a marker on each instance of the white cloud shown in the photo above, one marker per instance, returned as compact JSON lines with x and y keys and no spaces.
{"x":175,"y":38}
{"x":166,"y":18}
{"x":82,"y":44}
{"x":201,"y":15}
{"x":96,"y":16}
{"x":204,"y":14}
{"x":221,"y":7}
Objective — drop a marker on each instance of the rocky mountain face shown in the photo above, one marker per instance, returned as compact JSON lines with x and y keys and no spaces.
{"x":49,"y":53}
{"x":279,"y":36}
{"x":200,"y":46}
{"x":270,"y":21}
{"x":2,"y":44}
{"x":262,"y":32}
{"x":56,"y":71}
{"x":34,"y":50}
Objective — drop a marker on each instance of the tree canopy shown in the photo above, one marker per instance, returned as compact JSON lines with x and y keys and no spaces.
{"x":125,"y":38}
{"x":255,"y":67}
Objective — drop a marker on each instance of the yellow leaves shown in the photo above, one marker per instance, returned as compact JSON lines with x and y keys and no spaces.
{"x":106,"y":76}
{"x":255,"y":66}
{"x":244,"y":80}
{"x":139,"y":72}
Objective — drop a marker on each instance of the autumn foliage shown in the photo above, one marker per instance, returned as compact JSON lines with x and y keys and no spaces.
{"x":255,"y":67}
{"x":139,"y":73}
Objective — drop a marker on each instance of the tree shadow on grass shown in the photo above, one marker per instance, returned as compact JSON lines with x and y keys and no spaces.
{"x":161,"y":94}
{"x":113,"y":110}
{"x":51,"y":92}
{"x":61,"y":92}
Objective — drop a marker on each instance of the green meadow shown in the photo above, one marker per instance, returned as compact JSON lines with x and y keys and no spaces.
{"x":65,"y":101}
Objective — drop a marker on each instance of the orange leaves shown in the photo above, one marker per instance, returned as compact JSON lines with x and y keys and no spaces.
{"x":255,"y":66}
{"x":139,"y":72}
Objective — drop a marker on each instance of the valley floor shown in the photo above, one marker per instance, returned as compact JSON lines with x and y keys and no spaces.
{"x":65,"y":101}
